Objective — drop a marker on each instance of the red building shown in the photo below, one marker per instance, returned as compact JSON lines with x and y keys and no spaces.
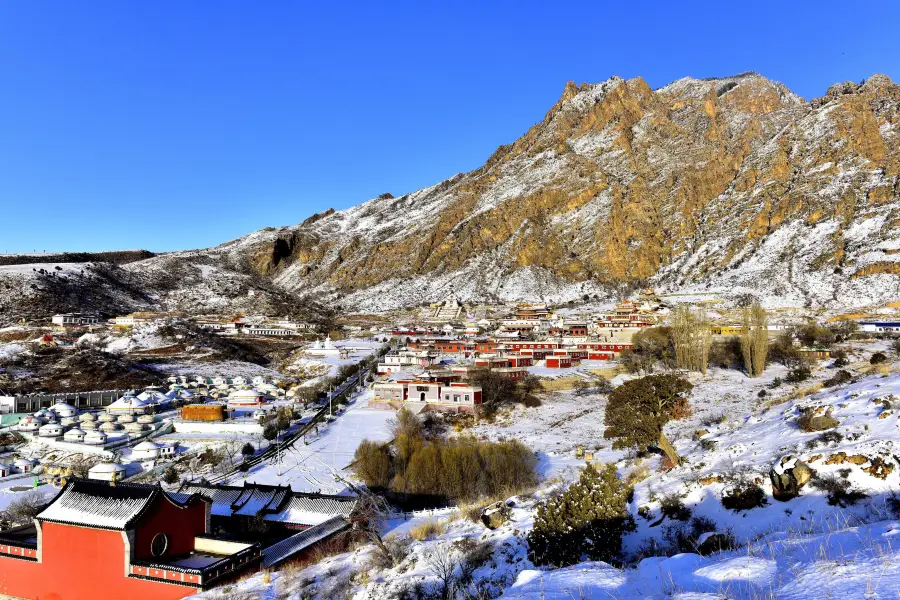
{"x":128,"y":542}
{"x":559,"y":362}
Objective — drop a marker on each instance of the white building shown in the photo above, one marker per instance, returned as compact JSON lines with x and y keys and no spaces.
{"x":74,"y":320}
{"x":325,"y":348}
{"x":74,"y":435}
{"x":146,"y":450}
{"x":95,"y":438}
{"x":51,"y":430}
{"x":107,"y":471}
{"x":61,"y":409}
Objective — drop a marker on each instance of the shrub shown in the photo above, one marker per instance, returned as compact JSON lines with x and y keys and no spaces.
{"x":839,"y":491}
{"x":815,"y":335}
{"x":840,"y":359}
{"x":671,"y":506}
{"x":775,"y":383}
{"x":838,"y":378}
{"x":589,"y":519}
{"x":798,"y":373}
{"x":170,"y":476}
{"x":726,"y":353}
{"x":878,"y":358}
{"x":649,"y":346}
{"x":714,"y":419}
{"x":372,"y":464}
{"x":428,"y":530}
{"x":248,"y":449}
{"x":686,"y":537}
{"x":709,"y":444}
{"x":743,"y":495}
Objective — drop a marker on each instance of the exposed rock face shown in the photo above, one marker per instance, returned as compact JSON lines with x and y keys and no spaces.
{"x":732,"y":184}
{"x":735,"y":182}
{"x":788,"y":477}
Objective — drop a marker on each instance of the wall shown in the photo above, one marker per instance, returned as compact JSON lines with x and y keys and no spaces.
{"x":212,"y":427}
{"x":81,"y":564}
{"x":181,"y":525}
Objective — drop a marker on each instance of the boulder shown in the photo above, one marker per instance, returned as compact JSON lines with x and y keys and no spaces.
{"x":812,"y":420}
{"x":494,"y":515}
{"x":788,"y":477}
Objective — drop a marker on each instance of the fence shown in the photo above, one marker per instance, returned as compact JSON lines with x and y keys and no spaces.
{"x":81,"y":400}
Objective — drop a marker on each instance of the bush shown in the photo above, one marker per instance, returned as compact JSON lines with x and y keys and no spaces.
{"x":170,"y":476}
{"x":671,"y":506}
{"x":815,"y":335}
{"x":839,"y":491}
{"x":270,"y":432}
{"x":444,"y":470}
{"x":878,"y":358}
{"x":248,"y":449}
{"x":799,"y":373}
{"x":428,"y":530}
{"x":838,"y":378}
{"x":775,"y":383}
{"x":589,"y":519}
{"x":840,"y":359}
{"x":743,"y":495}
{"x":686,"y":538}
{"x":726,"y":353}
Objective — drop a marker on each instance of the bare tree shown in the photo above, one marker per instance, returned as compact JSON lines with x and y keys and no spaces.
{"x":692,"y":337}
{"x":755,"y":339}
{"x":22,"y":511}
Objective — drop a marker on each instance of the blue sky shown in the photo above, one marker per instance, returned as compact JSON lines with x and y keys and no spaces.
{"x":170,"y":125}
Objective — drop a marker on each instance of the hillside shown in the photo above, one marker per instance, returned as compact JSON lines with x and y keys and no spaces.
{"x":734,"y":184}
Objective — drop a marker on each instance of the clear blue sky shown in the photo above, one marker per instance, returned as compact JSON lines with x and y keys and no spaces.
{"x":182,"y":124}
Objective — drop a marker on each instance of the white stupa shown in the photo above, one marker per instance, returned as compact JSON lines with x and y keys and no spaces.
{"x":326,"y":348}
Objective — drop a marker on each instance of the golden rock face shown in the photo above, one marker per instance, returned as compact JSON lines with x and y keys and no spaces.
{"x":619,"y":180}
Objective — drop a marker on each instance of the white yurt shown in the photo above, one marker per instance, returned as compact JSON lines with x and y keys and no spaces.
{"x":44,"y":414}
{"x":89,"y":426}
{"x":29,"y":424}
{"x":106,"y":418}
{"x":85,"y":417}
{"x":95,"y":438}
{"x":245,"y":398}
{"x":74,"y":435}
{"x":68,"y":421}
{"x":109,"y":427}
{"x":24,"y":465}
{"x":146,"y":450}
{"x":62,"y":409}
{"x":134,"y":427}
{"x":125,"y":419}
{"x":128,"y":405}
{"x":107,"y":471}
{"x":51,"y":430}
{"x":146,"y":419}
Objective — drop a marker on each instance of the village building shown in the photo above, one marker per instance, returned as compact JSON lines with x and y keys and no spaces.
{"x":74,"y":320}
{"x":130,"y":541}
{"x":427,"y":395}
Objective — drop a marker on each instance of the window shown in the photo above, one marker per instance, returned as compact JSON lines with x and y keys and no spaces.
{"x":160,"y":544}
{"x":466,"y":397}
{"x":456,"y":397}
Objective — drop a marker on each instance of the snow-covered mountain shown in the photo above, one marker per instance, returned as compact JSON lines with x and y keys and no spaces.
{"x":733,"y":184}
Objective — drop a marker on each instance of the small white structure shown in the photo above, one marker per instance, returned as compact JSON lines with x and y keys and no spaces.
{"x":74,"y":435}
{"x":128,"y":405}
{"x":45,"y":415}
{"x":68,"y":421}
{"x":146,"y":419}
{"x":245,"y":398}
{"x":95,"y":438}
{"x":89,"y":426}
{"x":4,"y":470}
{"x":61,"y":409}
{"x":24,"y":465}
{"x":51,"y":430}
{"x":134,"y":428}
{"x":85,"y":417}
{"x":107,"y":418}
{"x":326,"y":348}
{"x":29,"y":424}
{"x":146,"y":450}
{"x":125,"y":419}
{"x":107,"y":471}
{"x":167,"y":450}
{"x":109,"y":427}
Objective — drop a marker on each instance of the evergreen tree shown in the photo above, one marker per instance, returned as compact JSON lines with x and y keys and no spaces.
{"x":638,"y":410}
{"x":586,"y":522}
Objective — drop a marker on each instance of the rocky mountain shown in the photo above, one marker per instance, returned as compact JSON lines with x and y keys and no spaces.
{"x":734,"y":185}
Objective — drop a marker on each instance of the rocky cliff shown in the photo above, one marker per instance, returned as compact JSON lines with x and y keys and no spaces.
{"x":734,"y":185}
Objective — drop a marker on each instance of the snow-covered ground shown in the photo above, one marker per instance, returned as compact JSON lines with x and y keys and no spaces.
{"x":312,"y":466}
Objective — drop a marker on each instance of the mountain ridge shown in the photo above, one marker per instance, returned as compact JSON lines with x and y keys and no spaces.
{"x":732,"y":184}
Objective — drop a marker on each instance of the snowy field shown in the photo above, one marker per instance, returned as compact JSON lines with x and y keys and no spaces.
{"x":311,"y":467}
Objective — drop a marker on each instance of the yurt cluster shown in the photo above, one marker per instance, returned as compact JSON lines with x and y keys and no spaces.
{"x":127,"y":417}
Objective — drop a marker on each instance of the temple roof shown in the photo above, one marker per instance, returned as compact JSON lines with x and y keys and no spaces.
{"x":103,"y":506}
